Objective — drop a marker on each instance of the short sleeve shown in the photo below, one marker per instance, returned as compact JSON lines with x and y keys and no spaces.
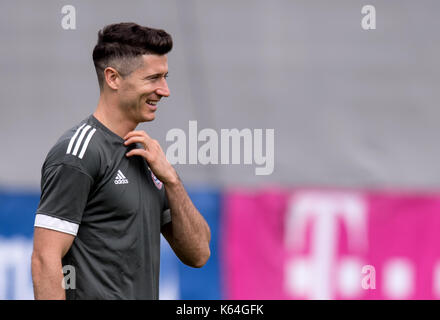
{"x":64,"y":193}
{"x":165,"y":216}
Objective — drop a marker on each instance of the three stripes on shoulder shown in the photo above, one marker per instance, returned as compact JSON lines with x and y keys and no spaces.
{"x":81,"y":131}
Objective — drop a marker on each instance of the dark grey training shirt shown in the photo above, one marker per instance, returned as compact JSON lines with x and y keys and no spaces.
{"x":114,"y":206}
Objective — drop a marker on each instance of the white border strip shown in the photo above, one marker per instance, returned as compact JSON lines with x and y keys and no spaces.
{"x":48,"y":222}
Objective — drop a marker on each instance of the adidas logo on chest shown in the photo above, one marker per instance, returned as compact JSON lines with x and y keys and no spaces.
{"x":120,"y":178}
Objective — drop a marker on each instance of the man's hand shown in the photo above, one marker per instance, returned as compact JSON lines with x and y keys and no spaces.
{"x":153,"y":153}
{"x":188,"y":233}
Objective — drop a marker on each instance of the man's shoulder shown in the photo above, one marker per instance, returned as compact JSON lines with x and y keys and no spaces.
{"x":78,"y":147}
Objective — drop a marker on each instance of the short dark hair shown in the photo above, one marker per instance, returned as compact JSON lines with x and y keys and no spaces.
{"x":119,"y":44}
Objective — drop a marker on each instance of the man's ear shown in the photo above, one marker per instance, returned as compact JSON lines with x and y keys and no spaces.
{"x":112,"y":78}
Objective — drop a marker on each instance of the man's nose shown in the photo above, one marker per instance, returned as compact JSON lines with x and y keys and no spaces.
{"x":163,"y":89}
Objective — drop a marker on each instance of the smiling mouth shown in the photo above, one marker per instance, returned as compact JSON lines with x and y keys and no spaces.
{"x":152,"y":102}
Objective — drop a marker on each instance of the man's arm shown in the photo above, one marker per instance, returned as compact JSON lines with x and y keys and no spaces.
{"x":188,"y":233}
{"x":47,"y":274}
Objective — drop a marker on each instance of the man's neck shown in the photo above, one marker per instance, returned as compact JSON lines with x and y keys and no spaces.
{"x":112,"y":117}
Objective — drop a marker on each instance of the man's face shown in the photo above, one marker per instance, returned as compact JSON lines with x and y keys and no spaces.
{"x":140,"y":91}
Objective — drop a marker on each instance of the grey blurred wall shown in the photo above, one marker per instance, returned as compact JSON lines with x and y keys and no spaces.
{"x":350,"y":107}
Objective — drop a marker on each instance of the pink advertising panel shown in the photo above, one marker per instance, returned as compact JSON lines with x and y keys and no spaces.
{"x":331,"y":244}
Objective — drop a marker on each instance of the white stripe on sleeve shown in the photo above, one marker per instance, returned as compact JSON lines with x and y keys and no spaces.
{"x":48,"y":222}
{"x":81,"y":137}
{"x":86,"y":143}
{"x":72,"y":140}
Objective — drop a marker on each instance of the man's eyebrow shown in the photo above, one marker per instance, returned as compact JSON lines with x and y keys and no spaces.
{"x":151,"y":76}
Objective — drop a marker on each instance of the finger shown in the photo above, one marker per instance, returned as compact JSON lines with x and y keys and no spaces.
{"x":135,"y":139}
{"x":133,"y":133}
{"x":136,"y":133}
{"x":138,"y":152}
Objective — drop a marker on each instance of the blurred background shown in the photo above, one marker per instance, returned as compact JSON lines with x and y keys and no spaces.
{"x":352,"y":208}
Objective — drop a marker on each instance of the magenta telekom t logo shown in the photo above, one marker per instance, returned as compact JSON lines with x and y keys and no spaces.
{"x":319,"y":275}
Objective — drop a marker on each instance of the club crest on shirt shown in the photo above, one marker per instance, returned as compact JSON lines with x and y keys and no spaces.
{"x":156,"y":181}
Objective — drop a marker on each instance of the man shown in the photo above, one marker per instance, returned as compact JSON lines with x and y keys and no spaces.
{"x":108,"y":191}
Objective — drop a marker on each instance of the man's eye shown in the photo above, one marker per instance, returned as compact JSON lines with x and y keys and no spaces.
{"x":154,"y":78}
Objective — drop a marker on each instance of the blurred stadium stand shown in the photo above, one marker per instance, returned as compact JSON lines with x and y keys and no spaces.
{"x":355,"y":115}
